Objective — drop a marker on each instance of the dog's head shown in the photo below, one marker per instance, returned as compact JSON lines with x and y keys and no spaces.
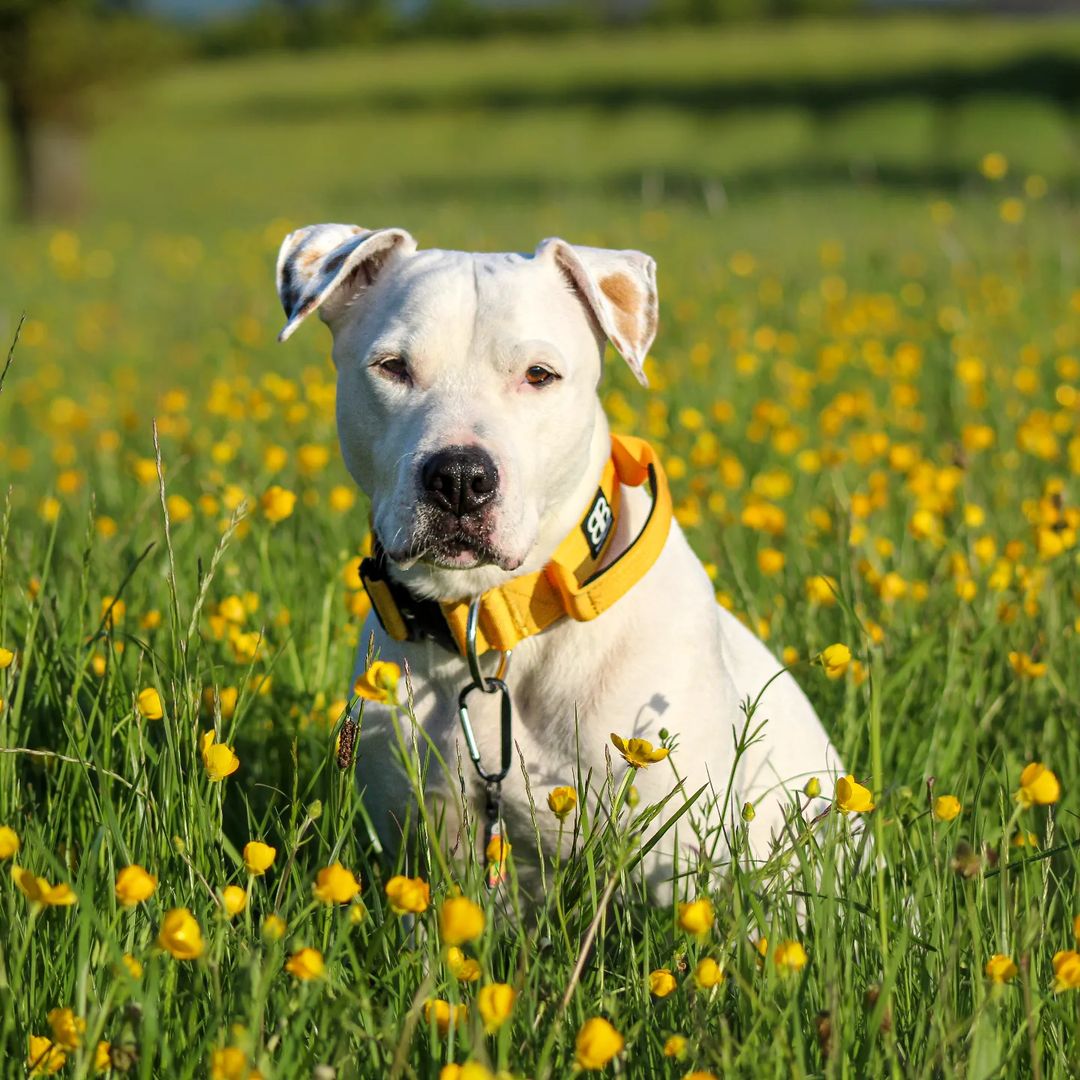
{"x":466,"y":397}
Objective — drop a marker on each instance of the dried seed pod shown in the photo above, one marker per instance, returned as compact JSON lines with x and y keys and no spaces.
{"x":346,"y":743}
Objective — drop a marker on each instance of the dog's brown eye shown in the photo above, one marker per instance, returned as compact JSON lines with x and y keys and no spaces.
{"x":539,"y":376}
{"x":394,"y":368}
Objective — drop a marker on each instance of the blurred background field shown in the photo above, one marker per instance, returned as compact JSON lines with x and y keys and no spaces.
{"x":866,"y":230}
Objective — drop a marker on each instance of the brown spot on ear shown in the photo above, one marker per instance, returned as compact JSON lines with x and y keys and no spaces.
{"x":625,"y":298}
{"x":621,"y":291}
{"x":308,"y":258}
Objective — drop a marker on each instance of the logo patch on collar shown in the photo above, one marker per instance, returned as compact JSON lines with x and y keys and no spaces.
{"x":597,"y":523}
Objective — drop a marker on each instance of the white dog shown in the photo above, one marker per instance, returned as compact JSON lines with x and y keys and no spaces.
{"x":468,"y":412}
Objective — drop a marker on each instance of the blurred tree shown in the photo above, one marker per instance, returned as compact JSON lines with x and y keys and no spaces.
{"x":53,"y":54}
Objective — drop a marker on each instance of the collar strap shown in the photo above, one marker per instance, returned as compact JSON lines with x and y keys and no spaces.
{"x":571,"y":585}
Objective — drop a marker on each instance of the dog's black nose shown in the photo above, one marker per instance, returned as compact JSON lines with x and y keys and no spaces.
{"x":460,"y":479}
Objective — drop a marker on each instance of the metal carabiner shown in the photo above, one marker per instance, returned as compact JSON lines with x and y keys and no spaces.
{"x":505,"y":722}
{"x":472,"y":622}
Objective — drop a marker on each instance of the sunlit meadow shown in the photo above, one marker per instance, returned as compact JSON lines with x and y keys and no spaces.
{"x":867,"y":397}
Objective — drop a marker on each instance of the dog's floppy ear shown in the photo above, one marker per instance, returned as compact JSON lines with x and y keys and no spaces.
{"x":619,"y":288}
{"x":324,"y":266}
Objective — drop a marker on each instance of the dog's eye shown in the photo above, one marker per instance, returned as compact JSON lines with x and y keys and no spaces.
{"x":540,"y":376}
{"x":393,"y":367}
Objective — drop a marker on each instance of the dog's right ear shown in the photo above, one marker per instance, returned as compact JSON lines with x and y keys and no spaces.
{"x":323,"y":267}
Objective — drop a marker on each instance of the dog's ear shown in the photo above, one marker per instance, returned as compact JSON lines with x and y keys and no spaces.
{"x":324,"y":266}
{"x":619,"y":288}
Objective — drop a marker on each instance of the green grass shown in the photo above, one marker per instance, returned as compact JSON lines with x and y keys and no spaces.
{"x":831,"y":263}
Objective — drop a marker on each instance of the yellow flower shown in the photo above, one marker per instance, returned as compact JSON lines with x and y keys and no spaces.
{"x":1000,"y":968}
{"x":662,"y":983}
{"x":6,"y":658}
{"x":43,"y":1057}
{"x":596,"y":1044}
{"x":946,"y":807}
{"x":233,"y":900}
{"x":258,"y":857}
{"x":1066,"y":970}
{"x":1038,"y":786}
{"x":708,"y":973}
{"x":463,"y":969}
{"x":835,"y":660}
{"x":790,"y":956}
{"x":150,"y":704}
{"x":821,"y":589}
{"x":67,"y":1028}
{"x":277,"y":503}
{"x":1025,"y":667}
{"x":675,"y":1047}
{"x":562,"y":801}
{"x":994,"y":165}
{"x":770,"y":561}
{"x":379,"y":682}
{"x":218,"y":759}
{"x":852,"y":797}
{"x":495,"y":1003}
{"x":408,"y":895}
{"x":697,"y":916}
{"x":471,"y":1070}
{"x":460,"y":920}
{"x":102,"y":1057}
{"x":442,"y":1014}
{"x":9,"y":842}
{"x":335,"y":885}
{"x":638,"y":752}
{"x":273,"y":928}
{"x":39,"y":891}
{"x":229,"y":1063}
{"x":132,"y":966}
{"x":306,"y":964}
{"x":134,"y":885}
{"x":180,"y":935}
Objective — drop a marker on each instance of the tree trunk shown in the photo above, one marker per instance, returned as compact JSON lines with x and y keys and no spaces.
{"x":49,"y":165}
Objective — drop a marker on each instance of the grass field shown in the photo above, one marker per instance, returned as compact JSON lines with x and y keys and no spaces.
{"x":868,"y":370}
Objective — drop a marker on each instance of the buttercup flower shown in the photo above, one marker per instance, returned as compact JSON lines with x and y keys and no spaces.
{"x":790,"y":956}
{"x":662,"y":983}
{"x":495,"y":1003}
{"x":835,"y":660}
{"x":379,"y":682}
{"x":946,"y":807}
{"x":639,"y":753}
{"x":233,"y":900}
{"x":697,"y":916}
{"x":306,"y":964}
{"x":102,"y":1056}
{"x":43,"y":1056}
{"x":708,"y":973}
{"x":597,"y":1043}
{"x":9,"y":842}
{"x":1038,"y":786}
{"x":218,"y":759}
{"x":1025,"y":667}
{"x":460,"y":920}
{"x":812,"y":788}
{"x":471,"y":1070}
{"x":132,"y":966}
{"x":180,"y":935}
{"x":463,"y":968}
{"x":134,"y":885}
{"x":229,"y":1063}
{"x":1066,"y":970}
{"x":277,"y":503}
{"x":1000,"y":968}
{"x":6,"y":658}
{"x":67,"y":1028}
{"x":562,"y":801}
{"x":335,"y":885}
{"x":149,"y":701}
{"x":38,"y":890}
{"x":442,"y":1014}
{"x":675,"y":1047}
{"x":258,"y":857}
{"x":852,"y":797}
{"x":273,"y":928}
{"x":408,"y":895}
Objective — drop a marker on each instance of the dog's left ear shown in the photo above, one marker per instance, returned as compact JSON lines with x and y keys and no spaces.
{"x":323,"y":267}
{"x":619,"y":288}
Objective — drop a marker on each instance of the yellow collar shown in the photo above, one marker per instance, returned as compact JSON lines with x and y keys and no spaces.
{"x":572,"y":584}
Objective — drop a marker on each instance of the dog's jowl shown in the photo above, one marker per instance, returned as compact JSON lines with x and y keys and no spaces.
{"x":507,"y":518}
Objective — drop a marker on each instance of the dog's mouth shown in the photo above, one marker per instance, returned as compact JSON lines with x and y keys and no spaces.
{"x":452,"y":545}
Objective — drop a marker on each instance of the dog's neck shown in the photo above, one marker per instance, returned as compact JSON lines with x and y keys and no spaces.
{"x":438,"y":583}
